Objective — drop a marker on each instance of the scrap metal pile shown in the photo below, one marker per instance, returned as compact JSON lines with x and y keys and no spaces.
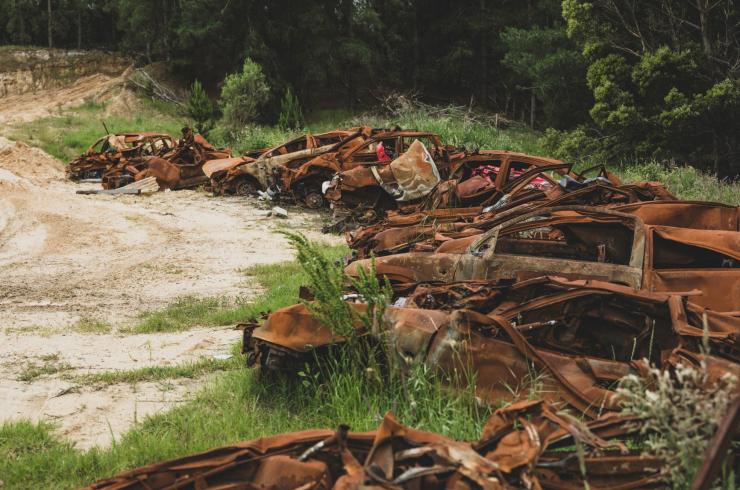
{"x":499,"y":261}
{"x":119,"y":160}
{"x":526,"y":445}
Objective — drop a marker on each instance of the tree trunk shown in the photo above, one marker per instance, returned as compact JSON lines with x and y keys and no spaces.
{"x":165,"y":30}
{"x":48,"y":24}
{"x":703,"y":6}
{"x":483,"y":61}
{"x":348,"y":15}
{"x":415,"y":68}
{"x":532,"y":109}
{"x":79,"y":28}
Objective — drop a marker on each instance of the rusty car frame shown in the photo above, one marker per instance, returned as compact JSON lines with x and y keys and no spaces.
{"x":178,"y":168}
{"x":583,"y":242}
{"x":581,"y":336}
{"x":112,"y":149}
{"x":529,"y":444}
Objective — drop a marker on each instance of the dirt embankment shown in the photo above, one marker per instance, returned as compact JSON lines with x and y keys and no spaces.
{"x":35,"y":83}
{"x":65,"y":257}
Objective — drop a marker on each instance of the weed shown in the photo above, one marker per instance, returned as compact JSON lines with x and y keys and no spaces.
{"x":184,"y":313}
{"x":327,"y":282}
{"x":50,"y":365}
{"x":92,"y":325}
{"x":679,"y":413}
{"x":366,"y":375}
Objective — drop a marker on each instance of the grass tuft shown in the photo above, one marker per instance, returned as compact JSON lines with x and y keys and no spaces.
{"x":195,"y":369}
{"x":50,"y":365}
{"x":92,"y":326}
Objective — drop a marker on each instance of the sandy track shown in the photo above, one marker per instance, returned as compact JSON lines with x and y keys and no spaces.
{"x":64,"y":257}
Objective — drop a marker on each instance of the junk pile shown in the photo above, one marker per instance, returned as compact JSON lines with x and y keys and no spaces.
{"x":500,"y":262}
{"x":112,"y":149}
{"x":118,"y":160}
{"x":529,"y":444}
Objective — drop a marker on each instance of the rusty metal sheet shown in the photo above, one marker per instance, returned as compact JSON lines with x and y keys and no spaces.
{"x":414,"y":174}
{"x":686,"y":214}
{"x":521,"y":446}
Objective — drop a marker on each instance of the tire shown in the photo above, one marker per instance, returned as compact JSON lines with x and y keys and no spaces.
{"x":245,"y":187}
{"x":314,"y":200}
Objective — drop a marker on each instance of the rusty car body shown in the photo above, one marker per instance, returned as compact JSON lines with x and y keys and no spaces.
{"x":294,"y":171}
{"x":529,"y":444}
{"x":113,"y":149}
{"x":178,"y":168}
{"x":581,"y":335}
{"x":255,"y":171}
{"x":423,"y":229}
{"x":583,"y":242}
{"x":468,"y":179}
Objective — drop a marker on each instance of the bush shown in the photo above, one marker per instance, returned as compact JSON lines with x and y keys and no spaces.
{"x":679,"y":413}
{"x":366,"y":374}
{"x":200,"y":109}
{"x":573,"y":146}
{"x":244,"y":94}
{"x":291,"y":116}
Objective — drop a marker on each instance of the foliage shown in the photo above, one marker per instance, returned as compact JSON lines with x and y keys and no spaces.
{"x":327,"y":281}
{"x":200,"y":109}
{"x":291,"y":116}
{"x":367,"y":370}
{"x":683,"y":181}
{"x":663,"y":77}
{"x":679,"y":413}
{"x":548,"y":62}
{"x":244,"y":94}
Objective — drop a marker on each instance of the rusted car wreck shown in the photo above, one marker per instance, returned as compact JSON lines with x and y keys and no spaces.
{"x":584,"y":335}
{"x":301,"y":170}
{"x":583,"y":242}
{"x":499,"y":265}
{"x":178,"y":168}
{"x":286,"y":167}
{"x":113,"y":149}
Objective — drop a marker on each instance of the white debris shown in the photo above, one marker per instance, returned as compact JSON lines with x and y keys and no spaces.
{"x":279,"y":212}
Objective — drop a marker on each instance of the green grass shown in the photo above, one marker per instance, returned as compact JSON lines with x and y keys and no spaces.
{"x":194,"y":369}
{"x":684,"y":182}
{"x":68,"y":134}
{"x":92,"y":326}
{"x":49,"y":365}
{"x":236,"y":406}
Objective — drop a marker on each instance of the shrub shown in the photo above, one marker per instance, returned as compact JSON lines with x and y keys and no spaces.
{"x":573,"y":146}
{"x":244,"y":94}
{"x":200,"y":109}
{"x":679,"y":413}
{"x":366,"y":373}
{"x":291,"y":116}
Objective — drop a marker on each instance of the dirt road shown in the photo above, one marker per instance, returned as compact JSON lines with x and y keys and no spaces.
{"x":65,"y":257}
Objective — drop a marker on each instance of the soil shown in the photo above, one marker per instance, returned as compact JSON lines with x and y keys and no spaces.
{"x":66,"y":257}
